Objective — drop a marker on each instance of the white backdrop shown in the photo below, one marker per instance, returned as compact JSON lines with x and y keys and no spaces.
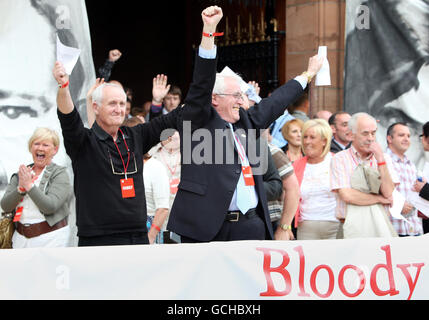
{"x":327,"y":269}
{"x":28,"y":90}
{"x":387,"y":65}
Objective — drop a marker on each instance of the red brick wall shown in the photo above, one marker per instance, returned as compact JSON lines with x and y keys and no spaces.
{"x":308,"y":25}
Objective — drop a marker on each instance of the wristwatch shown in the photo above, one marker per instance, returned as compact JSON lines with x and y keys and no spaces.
{"x":286,"y":227}
{"x":308,"y":76}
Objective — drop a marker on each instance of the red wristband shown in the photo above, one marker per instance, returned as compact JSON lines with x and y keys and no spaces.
{"x":21,"y":190}
{"x":156,"y":227}
{"x":210,"y":35}
{"x":65,"y":85}
{"x":381,"y":163}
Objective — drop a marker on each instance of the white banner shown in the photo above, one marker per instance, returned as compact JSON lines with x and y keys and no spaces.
{"x":249,"y":270}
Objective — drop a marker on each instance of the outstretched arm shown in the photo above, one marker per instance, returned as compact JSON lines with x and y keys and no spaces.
{"x":198,"y":101}
{"x":271,"y":108}
{"x":106,"y":70}
{"x":64,"y":99}
{"x":211,"y":17}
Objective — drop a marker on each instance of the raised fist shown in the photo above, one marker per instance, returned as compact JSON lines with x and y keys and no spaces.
{"x":211,"y":16}
{"x":60,"y":73}
{"x":114,"y":55}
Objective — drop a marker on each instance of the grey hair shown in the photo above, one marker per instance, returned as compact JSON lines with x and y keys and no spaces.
{"x":219,"y":86}
{"x":97,"y":95}
{"x":354,"y":120}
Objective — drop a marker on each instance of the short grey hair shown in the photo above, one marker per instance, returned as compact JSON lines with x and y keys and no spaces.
{"x":355,"y":118}
{"x":220,"y":86}
{"x":97,"y":95}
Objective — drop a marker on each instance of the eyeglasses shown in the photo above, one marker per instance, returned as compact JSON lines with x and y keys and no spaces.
{"x":237,"y":95}
{"x":123,"y":173}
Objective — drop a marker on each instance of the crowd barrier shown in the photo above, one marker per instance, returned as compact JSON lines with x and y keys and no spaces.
{"x":249,"y":270}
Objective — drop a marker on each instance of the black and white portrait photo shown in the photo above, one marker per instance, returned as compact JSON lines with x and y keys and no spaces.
{"x":28,"y":32}
{"x":387,"y":65}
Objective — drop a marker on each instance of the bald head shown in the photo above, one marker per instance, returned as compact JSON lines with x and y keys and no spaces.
{"x":323,"y":114}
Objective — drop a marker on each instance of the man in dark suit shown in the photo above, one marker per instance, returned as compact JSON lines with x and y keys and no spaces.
{"x":209,"y":204}
{"x":342,"y":136}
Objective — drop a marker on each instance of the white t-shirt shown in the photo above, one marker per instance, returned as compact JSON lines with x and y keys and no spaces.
{"x":31,"y":213}
{"x":318,"y":202}
{"x":157,"y":186}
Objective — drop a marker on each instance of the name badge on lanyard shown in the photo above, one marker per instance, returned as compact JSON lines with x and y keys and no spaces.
{"x":127,"y":187}
{"x":174,"y":183}
{"x":248,"y":176}
{"x":245,"y":166}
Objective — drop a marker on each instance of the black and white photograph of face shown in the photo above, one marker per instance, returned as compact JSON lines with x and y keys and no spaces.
{"x":387,"y":66}
{"x":28,"y":30}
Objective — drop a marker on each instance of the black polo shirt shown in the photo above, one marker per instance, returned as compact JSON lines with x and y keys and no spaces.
{"x":100,"y":207}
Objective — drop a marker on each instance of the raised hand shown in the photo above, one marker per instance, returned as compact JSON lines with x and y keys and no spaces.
{"x":211,"y":17}
{"x":114,"y":55}
{"x":160,"y":88}
{"x":315,"y":63}
{"x":255,"y":85}
{"x":98,"y":82}
{"x":60,"y":73}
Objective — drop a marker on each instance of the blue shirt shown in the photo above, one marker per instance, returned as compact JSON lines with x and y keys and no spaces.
{"x":278,"y":139}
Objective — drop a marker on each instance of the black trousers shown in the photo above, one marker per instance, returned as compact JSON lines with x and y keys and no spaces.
{"x":244,"y":229}
{"x":117,"y":239}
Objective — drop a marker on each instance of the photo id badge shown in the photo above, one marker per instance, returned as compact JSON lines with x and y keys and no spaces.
{"x":248,"y":176}
{"x":174,"y":183}
{"x":127,"y":187}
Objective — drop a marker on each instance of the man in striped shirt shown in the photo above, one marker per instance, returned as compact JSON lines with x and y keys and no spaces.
{"x":364,"y":149}
{"x":398,"y":142}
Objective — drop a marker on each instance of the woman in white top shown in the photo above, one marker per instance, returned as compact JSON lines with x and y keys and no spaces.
{"x":157,"y":192}
{"x":315,"y":218}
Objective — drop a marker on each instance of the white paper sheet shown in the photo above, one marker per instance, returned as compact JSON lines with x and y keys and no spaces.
{"x":323,"y":77}
{"x":419,"y":203}
{"x":398,"y":204}
{"x":68,"y":56}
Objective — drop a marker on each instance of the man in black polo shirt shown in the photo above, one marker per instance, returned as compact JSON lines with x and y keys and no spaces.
{"x":107,"y":159}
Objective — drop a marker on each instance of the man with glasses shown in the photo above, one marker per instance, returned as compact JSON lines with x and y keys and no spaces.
{"x":221,"y":196}
{"x":107,"y":159}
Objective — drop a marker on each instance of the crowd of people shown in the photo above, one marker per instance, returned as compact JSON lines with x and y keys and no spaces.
{"x":139,"y":177}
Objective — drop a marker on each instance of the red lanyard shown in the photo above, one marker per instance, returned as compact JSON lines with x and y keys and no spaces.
{"x":128,"y":152}
{"x":240,"y":149}
{"x":172,"y":171}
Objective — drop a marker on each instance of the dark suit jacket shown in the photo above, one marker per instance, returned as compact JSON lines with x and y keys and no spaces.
{"x":424,"y":193}
{"x":335,"y":147}
{"x":206,"y":188}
